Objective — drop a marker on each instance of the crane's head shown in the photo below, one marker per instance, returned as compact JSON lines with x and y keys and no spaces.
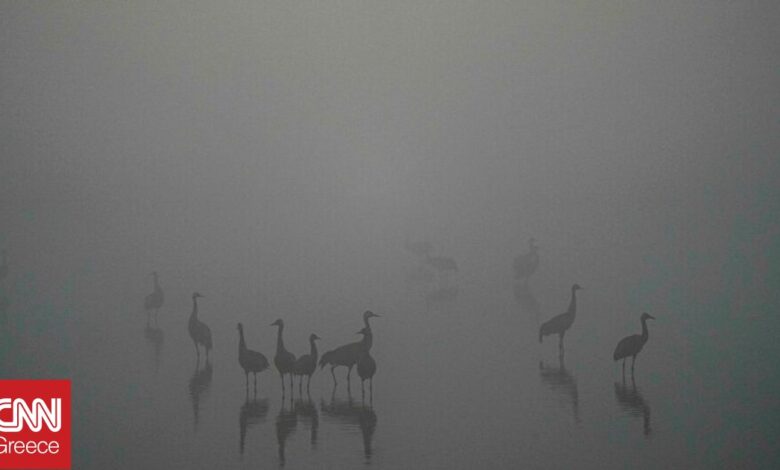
{"x":195,"y":295}
{"x":278,"y":322}
{"x":364,"y":331}
{"x":313,"y":337}
{"x":647,"y":316}
{"x":369,"y":314}
{"x":576,"y":287}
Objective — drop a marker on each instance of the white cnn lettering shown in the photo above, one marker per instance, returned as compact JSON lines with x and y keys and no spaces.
{"x":35,"y":416}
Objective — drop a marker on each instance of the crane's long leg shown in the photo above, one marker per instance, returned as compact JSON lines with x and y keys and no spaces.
{"x":300,"y":386}
{"x":349,"y":381}
{"x":624,"y":369}
{"x":371,"y":391}
{"x":281,"y":377}
{"x":292,"y":388}
{"x":197,"y":351}
{"x":633,"y":360}
{"x":363,"y":390}
{"x":335,"y":382}
{"x":308,"y":386}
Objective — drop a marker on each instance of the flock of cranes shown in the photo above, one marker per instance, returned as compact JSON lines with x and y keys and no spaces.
{"x":357,"y":354}
{"x":255,"y":362}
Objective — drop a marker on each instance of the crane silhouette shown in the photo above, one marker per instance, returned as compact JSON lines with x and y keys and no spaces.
{"x":526,"y":264}
{"x":154,"y":301}
{"x":250,"y":361}
{"x":632,"y":345}
{"x":284,"y":360}
{"x":366,"y":365}
{"x":559,"y":324}
{"x":307,"y":364}
{"x":199,"y":331}
{"x":346,"y":355}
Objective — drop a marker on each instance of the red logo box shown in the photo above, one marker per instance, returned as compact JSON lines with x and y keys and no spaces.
{"x":35,"y":424}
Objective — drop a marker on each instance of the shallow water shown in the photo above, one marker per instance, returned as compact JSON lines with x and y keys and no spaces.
{"x":493,"y":398}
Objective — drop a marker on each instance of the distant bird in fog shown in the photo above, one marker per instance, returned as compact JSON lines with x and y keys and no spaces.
{"x":250,"y":361}
{"x":4,"y":265}
{"x":154,"y":301}
{"x":284,"y":360}
{"x":420,"y":249}
{"x":307,"y":364}
{"x":526,"y":264}
{"x":346,"y":355}
{"x":441,"y":263}
{"x":366,"y":365}
{"x":632,"y":345}
{"x":560,"y":323}
{"x":199,"y":331}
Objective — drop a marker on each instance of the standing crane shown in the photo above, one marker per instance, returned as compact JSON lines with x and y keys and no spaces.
{"x":199,"y":331}
{"x":250,"y":361}
{"x":154,"y":300}
{"x":366,"y":365}
{"x":346,"y":355}
{"x":632,"y":345}
{"x":307,"y":364}
{"x":559,"y":324}
{"x":284,"y":360}
{"x":526,"y":264}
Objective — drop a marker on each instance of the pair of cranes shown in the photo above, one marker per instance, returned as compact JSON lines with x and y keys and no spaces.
{"x":526,"y":265}
{"x":630,"y":346}
{"x":349,"y":355}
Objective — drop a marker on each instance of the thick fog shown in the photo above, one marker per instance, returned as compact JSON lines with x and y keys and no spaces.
{"x":277,"y":157}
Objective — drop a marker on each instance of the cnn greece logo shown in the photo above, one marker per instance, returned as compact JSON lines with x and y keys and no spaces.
{"x":35,"y":424}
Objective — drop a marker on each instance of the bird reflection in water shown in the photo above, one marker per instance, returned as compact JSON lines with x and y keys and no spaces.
{"x":156,"y":339}
{"x":631,"y":401}
{"x":199,"y":383}
{"x":307,"y":410}
{"x":560,"y":380}
{"x":286,"y":421}
{"x":527,"y":301}
{"x":252,"y":412}
{"x":352,"y":416}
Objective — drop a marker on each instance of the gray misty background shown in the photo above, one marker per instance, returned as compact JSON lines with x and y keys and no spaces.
{"x":276,"y":155}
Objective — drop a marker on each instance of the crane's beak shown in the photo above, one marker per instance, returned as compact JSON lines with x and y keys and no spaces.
{"x":650,"y":317}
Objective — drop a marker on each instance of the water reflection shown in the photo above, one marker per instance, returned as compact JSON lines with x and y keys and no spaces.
{"x":307,"y":410}
{"x":561,"y":381}
{"x":156,"y":338}
{"x":252,"y":412}
{"x":352,"y":415}
{"x":286,"y":422}
{"x":632,"y":402}
{"x":199,"y":383}
{"x":525,"y":298}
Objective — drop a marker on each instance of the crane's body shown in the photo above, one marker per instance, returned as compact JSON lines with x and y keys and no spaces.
{"x":346,"y":355}
{"x":631,"y":346}
{"x":284,"y":360}
{"x":199,"y":331}
{"x":251,"y":361}
{"x":559,"y":324}
{"x":366,"y":365}
{"x":307,"y":364}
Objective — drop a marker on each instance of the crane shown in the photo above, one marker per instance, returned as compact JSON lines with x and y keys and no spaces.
{"x":199,"y":331}
{"x":366,"y":365}
{"x":284,"y":360}
{"x":154,"y":300}
{"x":632,"y":345}
{"x":307,"y":364}
{"x":559,"y":324}
{"x":346,"y":355}
{"x":250,"y":361}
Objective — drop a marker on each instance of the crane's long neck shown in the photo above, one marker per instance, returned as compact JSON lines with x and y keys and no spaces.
{"x":368,"y":341}
{"x":279,"y":341}
{"x":573,"y":303}
{"x":645,"y":332}
{"x":194,"y":314}
{"x":313,"y":349}
{"x":365,"y":322}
